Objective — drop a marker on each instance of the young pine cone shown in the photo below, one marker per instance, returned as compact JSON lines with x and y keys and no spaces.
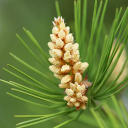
{"x":66,"y":64}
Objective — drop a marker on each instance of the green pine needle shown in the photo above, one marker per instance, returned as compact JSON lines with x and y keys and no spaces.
{"x":57,"y":8}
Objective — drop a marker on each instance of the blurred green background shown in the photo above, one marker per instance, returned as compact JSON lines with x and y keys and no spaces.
{"x":37,"y":17}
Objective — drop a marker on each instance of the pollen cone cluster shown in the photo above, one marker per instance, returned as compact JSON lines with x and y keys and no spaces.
{"x":66,"y":64}
{"x":119,"y":65}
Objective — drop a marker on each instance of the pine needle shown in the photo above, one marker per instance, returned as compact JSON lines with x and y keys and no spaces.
{"x":57,"y":8}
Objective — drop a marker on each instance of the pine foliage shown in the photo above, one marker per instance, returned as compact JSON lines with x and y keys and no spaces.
{"x":100,"y":69}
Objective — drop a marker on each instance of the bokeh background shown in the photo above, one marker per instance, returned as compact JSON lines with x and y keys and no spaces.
{"x":37,"y":17}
